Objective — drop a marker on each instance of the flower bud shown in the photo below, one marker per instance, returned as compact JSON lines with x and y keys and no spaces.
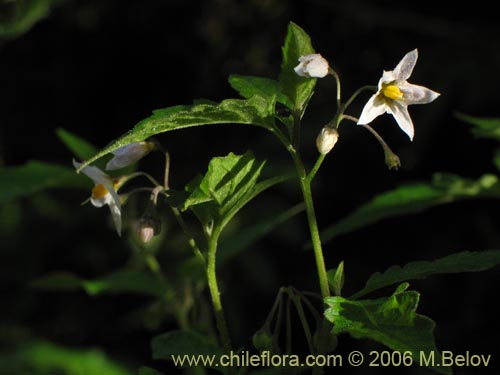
{"x":129,"y":154}
{"x":312,"y":66}
{"x":262,"y":340}
{"x":391,"y":159}
{"x":327,"y":138}
{"x":148,"y":228}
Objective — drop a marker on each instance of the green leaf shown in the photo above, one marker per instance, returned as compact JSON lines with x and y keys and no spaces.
{"x":298,"y":89}
{"x":414,"y":198}
{"x":224,"y":186}
{"x":484,"y":127}
{"x":122,"y":281}
{"x":181,"y":343}
{"x":248,"y":86}
{"x":336,"y":278}
{"x":252,"y":193}
{"x":35,"y":176}
{"x":78,"y":146}
{"x":465,"y":261}
{"x":254,"y":111}
{"x":18,"y":17}
{"x":45,"y":358}
{"x":392,"y":321}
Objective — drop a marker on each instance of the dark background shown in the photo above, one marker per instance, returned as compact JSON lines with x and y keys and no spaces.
{"x":96,"y":68}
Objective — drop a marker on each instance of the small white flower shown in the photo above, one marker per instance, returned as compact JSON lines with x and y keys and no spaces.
{"x":312,"y":66}
{"x":395,"y":94}
{"x":129,"y":154}
{"x":104,"y":192}
{"x":326,"y":140}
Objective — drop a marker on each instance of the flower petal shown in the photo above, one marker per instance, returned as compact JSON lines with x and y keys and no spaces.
{"x":387,"y":77}
{"x":94,"y":173}
{"x":400,"y":112}
{"x":375,"y":107}
{"x":414,"y":94}
{"x":116,"y":213}
{"x":405,"y":67}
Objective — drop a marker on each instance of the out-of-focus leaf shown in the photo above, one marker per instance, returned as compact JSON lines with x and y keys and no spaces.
{"x":34,"y":176}
{"x":298,"y":89}
{"x":484,"y":127}
{"x":186,"y":343}
{"x":254,"y":111}
{"x":465,"y":261}
{"x":233,"y":245}
{"x":78,"y":146}
{"x":392,"y":321}
{"x":414,"y":198}
{"x":496,"y":159}
{"x":248,"y":86}
{"x":123,"y":281}
{"x":148,"y":371}
{"x":18,"y":16}
{"x":45,"y":358}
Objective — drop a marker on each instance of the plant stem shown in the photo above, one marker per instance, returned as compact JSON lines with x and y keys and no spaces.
{"x":316,"y":241}
{"x":337,"y":80}
{"x":316,"y":167}
{"x":305,"y":185}
{"x":214,"y":291}
{"x":356,"y":93}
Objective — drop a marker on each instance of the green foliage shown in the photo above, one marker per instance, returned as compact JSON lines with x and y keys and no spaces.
{"x":392,"y":321}
{"x":183,"y":343}
{"x":455,"y":263}
{"x":230,"y":183}
{"x":484,"y":127}
{"x":35,"y":176}
{"x":19,"y":16}
{"x":336,"y":279}
{"x":148,"y":371}
{"x":122,"y":281}
{"x":254,"y":111}
{"x":248,"y":86}
{"x":45,"y":358}
{"x":77,"y":145}
{"x":414,"y":198}
{"x":298,"y":89}
{"x":226,"y":182}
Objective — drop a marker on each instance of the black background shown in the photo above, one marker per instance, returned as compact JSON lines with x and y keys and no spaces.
{"x":96,"y":68}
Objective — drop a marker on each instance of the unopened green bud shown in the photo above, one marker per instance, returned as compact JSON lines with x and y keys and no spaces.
{"x":327,"y":138}
{"x":391,"y":159}
{"x":262,"y":340}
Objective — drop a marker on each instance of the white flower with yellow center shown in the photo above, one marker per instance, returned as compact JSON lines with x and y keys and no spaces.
{"x":129,"y":154}
{"x":104,"y":192}
{"x":312,"y":66}
{"x":395,"y":94}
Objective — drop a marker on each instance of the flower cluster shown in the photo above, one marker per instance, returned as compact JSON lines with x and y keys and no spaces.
{"x":105,"y":190}
{"x":393,"y":96}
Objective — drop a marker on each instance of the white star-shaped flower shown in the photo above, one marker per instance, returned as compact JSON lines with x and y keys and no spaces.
{"x":395,"y":94}
{"x":104,"y":192}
